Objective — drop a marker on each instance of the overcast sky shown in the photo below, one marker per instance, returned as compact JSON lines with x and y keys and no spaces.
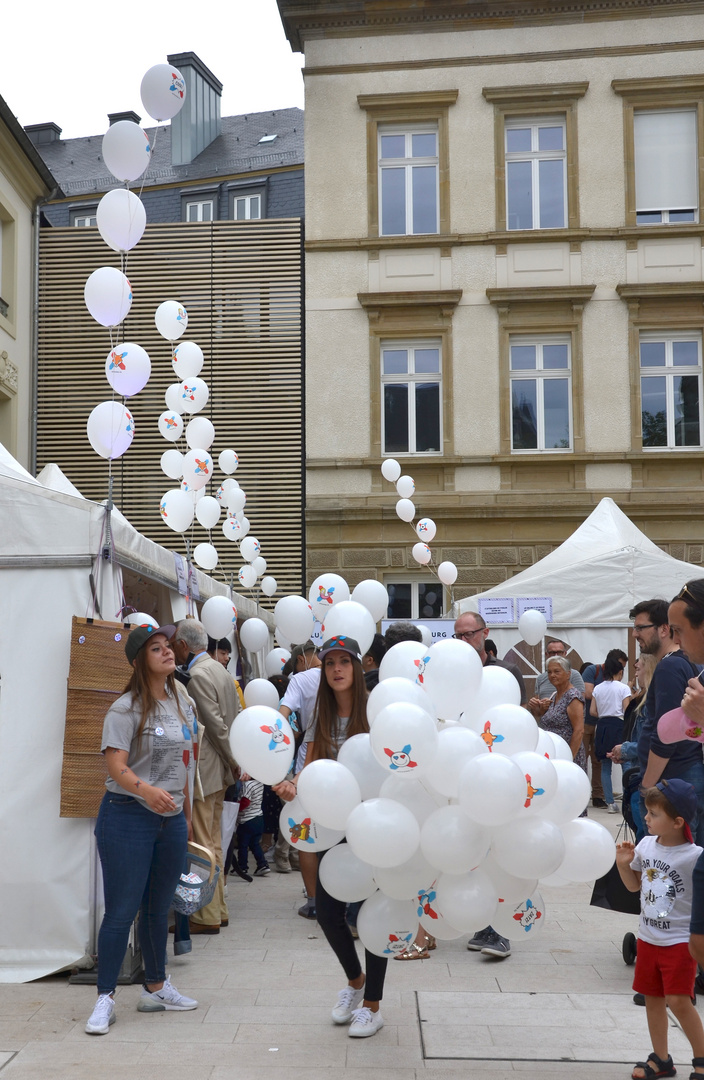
{"x":76,"y":64}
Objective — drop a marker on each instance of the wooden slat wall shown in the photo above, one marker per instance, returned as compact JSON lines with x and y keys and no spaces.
{"x":241,"y":285}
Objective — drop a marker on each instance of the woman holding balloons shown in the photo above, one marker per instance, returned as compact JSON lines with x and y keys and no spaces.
{"x":340,"y":713}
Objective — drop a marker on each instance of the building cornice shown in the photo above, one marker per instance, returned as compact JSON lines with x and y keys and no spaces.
{"x":573,"y":294}
{"x":307,"y":19}
{"x":447,"y":299}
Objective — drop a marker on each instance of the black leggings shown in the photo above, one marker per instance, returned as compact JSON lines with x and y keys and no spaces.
{"x":331,"y":919}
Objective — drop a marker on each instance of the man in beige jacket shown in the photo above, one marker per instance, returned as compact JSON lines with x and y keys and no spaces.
{"x":213,"y":690}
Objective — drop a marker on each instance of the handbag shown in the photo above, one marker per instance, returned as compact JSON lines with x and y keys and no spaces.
{"x":198,"y":881}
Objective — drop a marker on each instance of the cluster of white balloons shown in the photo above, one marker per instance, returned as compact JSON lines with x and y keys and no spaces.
{"x":121,"y":220}
{"x":425,"y":528}
{"x":455,"y":807}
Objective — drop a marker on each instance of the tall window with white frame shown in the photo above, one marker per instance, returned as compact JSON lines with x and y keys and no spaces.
{"x":414,"y":599}
{"x":541,"y":394}
{"x":247,"y":207}
{"x":536,"y":173}
{"x":666,"y":163}
{"x":411,"y":384}
{"x":409,"y":194}
{"x":199,"y":210}
{"x":671,"y":390}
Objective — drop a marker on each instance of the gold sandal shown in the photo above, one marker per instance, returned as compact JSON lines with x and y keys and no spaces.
{"x":414,"y":952}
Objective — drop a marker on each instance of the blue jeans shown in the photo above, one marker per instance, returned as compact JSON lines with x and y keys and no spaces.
{"x":606,"y":782}
{"x":142,"y":856}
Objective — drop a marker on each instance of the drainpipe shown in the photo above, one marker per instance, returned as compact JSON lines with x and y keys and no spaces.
{"x":34,"y":336}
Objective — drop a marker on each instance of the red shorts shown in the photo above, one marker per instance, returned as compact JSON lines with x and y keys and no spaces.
{"x":664,"y":969}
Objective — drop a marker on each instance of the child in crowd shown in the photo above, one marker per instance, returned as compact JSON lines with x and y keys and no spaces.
{"x":250,"y":828}
{"x":661,"y":867}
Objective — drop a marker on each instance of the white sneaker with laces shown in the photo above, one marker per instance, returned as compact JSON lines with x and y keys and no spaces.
{"x":167,"y":999}
{"x":102,"y":1017}
{"x":365,"y":1023}
{"x":348,"y":1000}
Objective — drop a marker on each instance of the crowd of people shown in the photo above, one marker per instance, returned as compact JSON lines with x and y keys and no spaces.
{"x":171,"y":773}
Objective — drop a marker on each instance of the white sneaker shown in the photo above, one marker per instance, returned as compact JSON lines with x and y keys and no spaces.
{"x":102,"y":1017}
{"x":168,"y":998}
{"x":365,"y":1023}
{"x":612,"y":808}
{"x":348,"y":1000}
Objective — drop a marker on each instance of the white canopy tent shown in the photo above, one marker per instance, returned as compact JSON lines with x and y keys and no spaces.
{"x":49,"y":550}
{"x":593,"y":579}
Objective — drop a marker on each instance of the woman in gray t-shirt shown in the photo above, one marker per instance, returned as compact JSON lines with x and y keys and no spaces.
{"x":149,"y":742}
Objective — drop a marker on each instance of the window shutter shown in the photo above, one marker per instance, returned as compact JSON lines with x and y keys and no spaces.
{"x":666,"y":160}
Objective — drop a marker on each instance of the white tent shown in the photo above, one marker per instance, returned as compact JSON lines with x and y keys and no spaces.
{"x":593,"y":579}
{"x":50,"y":542}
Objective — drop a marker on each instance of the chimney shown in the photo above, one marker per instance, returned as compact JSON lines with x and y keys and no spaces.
{"x":114,"y":117}
{"x":40,"y":134}
{"x":198,"y":122}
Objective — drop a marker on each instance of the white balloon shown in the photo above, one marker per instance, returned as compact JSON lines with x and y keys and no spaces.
{"x":260,"y":691}
{"x":560,"y":751}
{"x":171,"y":426}
{"x":520,"y":917}
{"x":532,"y":626}
{"x":409,"y":793}
{"x":426,"y":529}
{"x":274,"y":663}
{"x":453,"y":843}
{"x":219,"y":617}
{"x":206,"y":556}
{"x":254,"y":635}
{"x":397,"y":689}
{"x":127,"y":369}
{"x":386,"y":927}
{"x":356,"y":754}
{"x":232,"y":528}
{"x":329,"y":792}
{"x":174,"y":399}
{"x":382,"y":832}
{"x":262,"y":743}
{"x":541,"y":781}
{"x":163,"y":91}
{"x":110,"y":429}
{"x":405,"y":509}
{"x":390,"y":470}
{"x":302,"y":832}
{"x":200,"y":433}
{"x":224,"y":490}
{"x":269,"y":586}
{"x":344,"y":876}
{"x":126,"y":150}
{"x":511,"y":889}
{"x":529,"y":847}
{"x":426,"y":633}
{"x":171,"y":319}
{"x":421,"y":553}
{"x":293,"y":615}
{"x":404,"y":738}
{"x":250,"y":548}
{"x":350,"y":619}
{"x":468,"y":900}
{"x":121,"y":219}
{"x":452,"y":674}
{"x":372,"y":595}
{"x":491,"y":789}
{"x":108,"y":296}
{"x":197,"y":468}
{"x":207,"y":510}
{"x":326,"y":591}
{"x":447,"y":572}
{"x":140,"y":618}
{"x":497,"y":687}
{"x":590,"y":851}
{"x":506,"y":729}
{"x":259,"y":565}
{"x":172,"y":464}
{"x":194,"y":395}
{"x":407,"y":660}
{"x":408,"y":881}
{"x":406,"y":486}
{"x":247,"y":576}
{"x":176,"y":510}
{"x":572,"y":795}
{"x":236,"y":499}
{"x":244,"y":522}
{"x":187,"y":360}
{"x":228,"y":461}
{"x":456,"y":746}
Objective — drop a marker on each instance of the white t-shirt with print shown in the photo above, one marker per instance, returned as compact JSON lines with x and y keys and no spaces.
{"x":665,"y":890}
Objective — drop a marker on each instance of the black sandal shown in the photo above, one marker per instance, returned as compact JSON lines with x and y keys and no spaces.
{"x":664,"y":1068}
{"x":697,"y":1063}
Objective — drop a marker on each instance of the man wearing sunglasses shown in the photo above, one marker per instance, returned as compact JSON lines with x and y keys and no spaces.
{"x":667,"y":761}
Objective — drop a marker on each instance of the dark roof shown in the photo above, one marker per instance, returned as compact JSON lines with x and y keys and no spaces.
{"x":79,"y":167}
{"x":28,"y":148}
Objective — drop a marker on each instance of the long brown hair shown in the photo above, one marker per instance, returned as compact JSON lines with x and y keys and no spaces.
{"x":140,"y":689}
{"x":326,"y":715}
